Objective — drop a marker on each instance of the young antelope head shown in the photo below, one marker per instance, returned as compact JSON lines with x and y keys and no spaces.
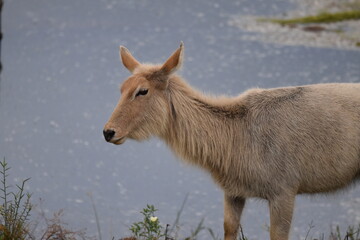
{"x":143,"y":109}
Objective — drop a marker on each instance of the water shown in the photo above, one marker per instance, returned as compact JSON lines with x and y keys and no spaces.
{"x":61,"y":82}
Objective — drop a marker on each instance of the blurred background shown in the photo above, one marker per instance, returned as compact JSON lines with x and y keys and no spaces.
{"x":60,"y":83}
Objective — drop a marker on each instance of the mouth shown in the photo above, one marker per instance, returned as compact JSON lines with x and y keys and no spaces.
{"x":118,"y":141}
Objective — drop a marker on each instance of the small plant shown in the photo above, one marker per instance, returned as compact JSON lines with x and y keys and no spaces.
{"x":15,"y":208}
{"x":149,"y":228}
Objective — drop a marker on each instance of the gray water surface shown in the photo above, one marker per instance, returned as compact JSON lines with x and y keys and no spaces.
{"x":61,"y":82}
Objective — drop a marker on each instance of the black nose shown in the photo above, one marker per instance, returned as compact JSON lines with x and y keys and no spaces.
{"x":108,"y":134}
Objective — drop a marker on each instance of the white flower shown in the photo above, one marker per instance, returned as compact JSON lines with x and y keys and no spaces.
{"x":153,"y":219}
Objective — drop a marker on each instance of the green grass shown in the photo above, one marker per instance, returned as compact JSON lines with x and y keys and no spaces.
{"x":324,"y":17}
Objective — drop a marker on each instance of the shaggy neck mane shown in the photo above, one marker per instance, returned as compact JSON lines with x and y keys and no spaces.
{"x":199,"y":126}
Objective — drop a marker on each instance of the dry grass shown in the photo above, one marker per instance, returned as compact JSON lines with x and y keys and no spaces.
{"x":56,"y":229}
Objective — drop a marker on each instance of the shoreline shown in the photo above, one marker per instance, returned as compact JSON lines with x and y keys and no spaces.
{"x":341,"y":34}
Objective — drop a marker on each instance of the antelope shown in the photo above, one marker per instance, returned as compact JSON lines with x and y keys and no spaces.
{"x":264,"y":143}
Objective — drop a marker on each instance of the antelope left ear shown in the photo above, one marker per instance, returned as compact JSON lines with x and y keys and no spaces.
{"x":127,"y":59}
{"x":174,"y":61}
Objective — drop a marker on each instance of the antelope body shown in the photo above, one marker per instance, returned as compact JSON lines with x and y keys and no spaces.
{"x":265,"y":143}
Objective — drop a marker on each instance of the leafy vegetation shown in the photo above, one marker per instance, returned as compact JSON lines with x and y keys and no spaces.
{"x":149,"y":228}
{"x":15,"y":208}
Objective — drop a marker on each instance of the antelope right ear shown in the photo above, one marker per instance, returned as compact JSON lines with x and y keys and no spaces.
{"x":174,"y":61}
{"x":127,"y":59}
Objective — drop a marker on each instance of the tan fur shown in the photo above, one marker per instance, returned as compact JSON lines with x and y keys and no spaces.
{"x":265,"y":143}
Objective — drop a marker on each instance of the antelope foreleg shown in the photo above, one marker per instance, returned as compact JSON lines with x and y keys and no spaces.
{"x":233,"y":207}
{"x":281,"y":211}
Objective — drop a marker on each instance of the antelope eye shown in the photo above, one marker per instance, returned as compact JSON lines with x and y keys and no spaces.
{"x":142,"y":92}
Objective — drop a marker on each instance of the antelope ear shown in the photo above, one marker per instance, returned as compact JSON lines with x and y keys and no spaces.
{"x":174,"y":61}
{"x":127,"y":59}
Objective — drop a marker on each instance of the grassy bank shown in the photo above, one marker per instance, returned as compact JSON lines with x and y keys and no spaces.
{"x":324,"y":17}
